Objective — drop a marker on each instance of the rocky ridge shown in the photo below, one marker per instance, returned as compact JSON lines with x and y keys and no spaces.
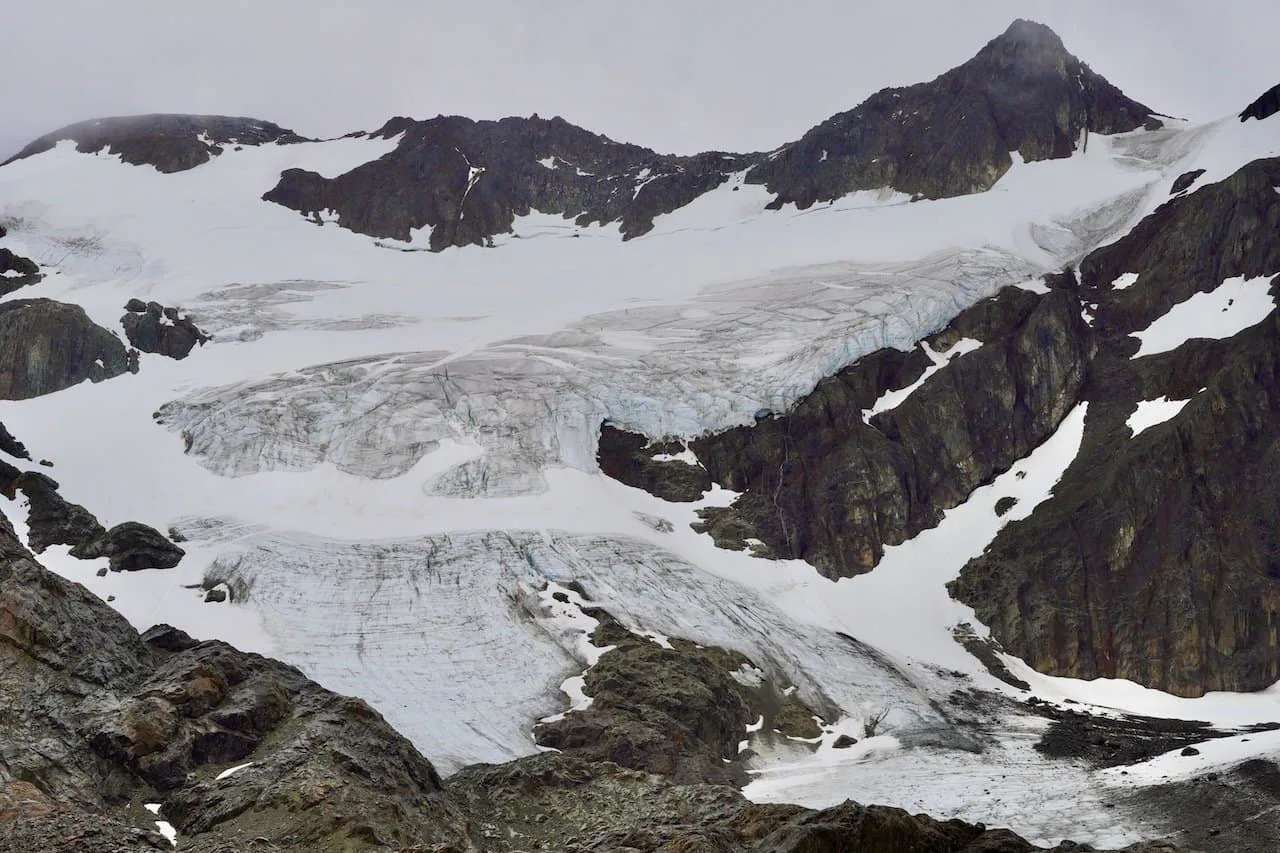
{"x":168,"y":142}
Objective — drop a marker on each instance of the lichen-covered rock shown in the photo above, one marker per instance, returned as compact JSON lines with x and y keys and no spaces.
{"x":46,"y":346}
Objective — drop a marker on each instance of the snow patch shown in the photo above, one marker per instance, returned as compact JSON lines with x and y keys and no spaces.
{"x":1153,"y":412}
{"x":1227,"y":310}
{"x":892,"y":399}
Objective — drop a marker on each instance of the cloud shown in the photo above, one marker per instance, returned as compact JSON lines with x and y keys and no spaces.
{"x":677,"y":76}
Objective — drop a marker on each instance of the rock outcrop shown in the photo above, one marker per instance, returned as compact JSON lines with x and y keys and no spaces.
{"x":1156,"y":558}
{"x":123,"y":719}
{"x":46,"y":346}
{"x":152,"y":327}
{"x":467,"y":180}
{"x":677,"y":709}
{"x":53,"y":520}
{"x":1267,"y":105}
{"x":170,"y":143}
{"x":131,"y":547}
{"x":829,"y":485}
{"x":1022,"y":93}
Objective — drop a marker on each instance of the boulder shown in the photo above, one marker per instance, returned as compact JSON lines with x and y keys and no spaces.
{"x":130,"y":547}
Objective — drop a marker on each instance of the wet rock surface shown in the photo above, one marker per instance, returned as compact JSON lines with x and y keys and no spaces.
{"x":1123,"y":739}
{"x":152,"y":327}
{"x":46,"y":346}
{"x":168,"y":142}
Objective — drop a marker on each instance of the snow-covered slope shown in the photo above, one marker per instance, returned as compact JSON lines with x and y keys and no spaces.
{"x":385,"y":455}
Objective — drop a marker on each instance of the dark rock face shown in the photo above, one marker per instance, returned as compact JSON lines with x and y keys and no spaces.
{"x":822,"y":485}
{"x":629,"y":458}
{"x":11,"y":445}
{"x":151,"y":327}
{"x":123,"y":719}
{"x":131,"y":547}
{"x":467,"y":180}
{"x":170,"y":143}
{"x":1267,"y":105}
{"x":670,"y":711}
{"x":116,"y":716}
{"x":20,"y":272}
{"x":1156,"y":558}
{"x":53,"y":520}
{"x":1023,"y":92}
{"x":46,"y":346}
{"x":1185,"y":180}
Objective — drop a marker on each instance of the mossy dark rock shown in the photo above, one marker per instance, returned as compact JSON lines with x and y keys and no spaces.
{"x":676,"y":712}
{"x":169,"y":142}
{"x":46,"y":346}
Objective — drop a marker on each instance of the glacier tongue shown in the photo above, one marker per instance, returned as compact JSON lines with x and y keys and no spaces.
{"x":441,"y":633}
{"x":537,"y":401}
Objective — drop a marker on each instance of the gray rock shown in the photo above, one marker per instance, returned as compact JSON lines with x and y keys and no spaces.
{"x":46,"y":346}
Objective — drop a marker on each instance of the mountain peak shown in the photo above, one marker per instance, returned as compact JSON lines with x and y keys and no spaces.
{"x":1026,"y":46}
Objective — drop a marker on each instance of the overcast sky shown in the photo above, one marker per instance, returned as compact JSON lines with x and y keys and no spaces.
{"x":676,"y":76}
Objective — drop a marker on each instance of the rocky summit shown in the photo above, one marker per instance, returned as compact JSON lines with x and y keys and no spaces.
{"x":491,"y":485}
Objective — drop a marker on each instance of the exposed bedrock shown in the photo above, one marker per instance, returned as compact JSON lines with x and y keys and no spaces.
{"x":1023,"y":92}
{"x":169,"y":142}
{"x":822,"y":484}
{"x":1157,"y":559}
{"x":152,"y":327}
{"x":467,"y":180}
{"x":46,"y":346}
